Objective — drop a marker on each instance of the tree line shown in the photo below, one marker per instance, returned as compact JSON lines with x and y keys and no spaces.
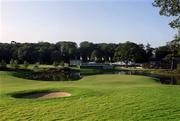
{"x":48,"y":53}
{"x":63,"y":51}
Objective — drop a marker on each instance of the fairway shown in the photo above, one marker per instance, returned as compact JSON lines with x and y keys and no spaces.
{"x":97,"y":97}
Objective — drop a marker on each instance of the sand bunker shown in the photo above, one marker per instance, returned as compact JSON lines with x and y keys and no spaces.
{"x":47,"y":95}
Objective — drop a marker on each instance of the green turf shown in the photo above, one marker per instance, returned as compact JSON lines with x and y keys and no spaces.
{"x":98,"y":97}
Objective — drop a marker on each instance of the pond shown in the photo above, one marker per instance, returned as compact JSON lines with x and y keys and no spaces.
{"x":174,"y":80}
{"x":59,"y":74}
{"x":162,"y":78}
{"x":66,"y":74}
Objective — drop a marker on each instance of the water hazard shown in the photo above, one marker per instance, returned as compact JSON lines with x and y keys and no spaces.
{"x":174,"y":80}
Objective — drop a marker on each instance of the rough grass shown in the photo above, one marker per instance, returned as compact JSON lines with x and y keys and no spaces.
{"x":98,"y":97}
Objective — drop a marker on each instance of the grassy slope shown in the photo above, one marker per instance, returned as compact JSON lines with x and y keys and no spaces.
{"x":100,"y":97}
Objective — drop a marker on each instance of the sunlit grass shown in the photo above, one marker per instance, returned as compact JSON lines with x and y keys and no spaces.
{"x":98,"y":97}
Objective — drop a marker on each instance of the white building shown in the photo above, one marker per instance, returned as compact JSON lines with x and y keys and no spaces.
{"x":75,"y":62}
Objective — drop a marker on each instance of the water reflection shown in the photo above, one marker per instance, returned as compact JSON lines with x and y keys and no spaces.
{"x":174,"y":80}
{"x":163,"y":79}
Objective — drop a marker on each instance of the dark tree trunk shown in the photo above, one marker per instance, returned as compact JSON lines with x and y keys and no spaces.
{"x":172,"y":63}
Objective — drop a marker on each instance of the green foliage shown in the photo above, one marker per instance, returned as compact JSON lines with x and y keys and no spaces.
{"x":55,"y":64}
{"x":47,"y":53}
{"x":169,"y":8}
{"x":95,"y":56}
{"x":176,"y":44}
{"x":149,"y":52}
{"x":27,"y":52}
{"x":11,"y":62}
{"x":66,"y":64}
{"x":130,"y":52}
{"x":61,"y":63}
{"x":162,"y":52}
{"x":14,"y":64}
{"x":25,"y":64}
{"x":86,"y":49}
{"x":178,"y":66}
{"x":68,"y":50}
{"x":36,"y":66}
{"x":3,"y":64}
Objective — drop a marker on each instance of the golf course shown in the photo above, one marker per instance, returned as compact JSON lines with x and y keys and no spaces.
{"x":96,"y":97}
{"x":90,"y":60}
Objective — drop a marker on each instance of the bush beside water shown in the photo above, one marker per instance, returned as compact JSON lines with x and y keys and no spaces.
{"x":178,"y":67}
{"x":14,"y":64}
{"x":3,"y":65}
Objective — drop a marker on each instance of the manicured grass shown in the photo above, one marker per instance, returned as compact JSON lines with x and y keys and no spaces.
{"x":98,"y":97}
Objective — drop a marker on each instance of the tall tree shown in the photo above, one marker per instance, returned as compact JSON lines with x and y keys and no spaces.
{"x":67,"y":49}
{"x":44,"y":52}
{"x":5,"y":52}
{"x":26,"y":52}
{"x":86,"y":49}
{"x":149,"y":52}
{"x":163,"y":54}
{"x":129,"y":51}
{"x":175,"y":49}
{"x":170,"y":8}
{"x":95,"y":55}
{"x":107,"y":51}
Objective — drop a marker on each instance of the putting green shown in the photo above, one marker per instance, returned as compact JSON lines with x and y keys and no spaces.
{"x":98,"y":97}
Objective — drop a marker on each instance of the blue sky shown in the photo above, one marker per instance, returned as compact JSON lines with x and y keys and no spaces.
{"x":79,"y":20}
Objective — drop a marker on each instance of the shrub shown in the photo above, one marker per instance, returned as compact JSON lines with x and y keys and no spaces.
{"x":61,"y":63}
{"x":178,"y":66}
{"x":25,"y":64}
{"x":11,"y":63}
{"x":66,"y":64}
{"x":14,"y":64}
{"x":36,"y":66}
{"x":3,"y":64}
{"x":55,"y":64}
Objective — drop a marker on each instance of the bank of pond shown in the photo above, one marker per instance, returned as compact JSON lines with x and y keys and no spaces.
{"x":73,"y":74}
{"x":51,"y":74}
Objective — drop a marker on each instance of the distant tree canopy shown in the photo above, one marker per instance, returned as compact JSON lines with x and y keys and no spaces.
{"x":47,"y":53}
{"x":85,"y":50}
{"x":63,"y":52}
{"x":170,"y":8}
{"x":43,"y":52}
{"x":130,"y":52}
